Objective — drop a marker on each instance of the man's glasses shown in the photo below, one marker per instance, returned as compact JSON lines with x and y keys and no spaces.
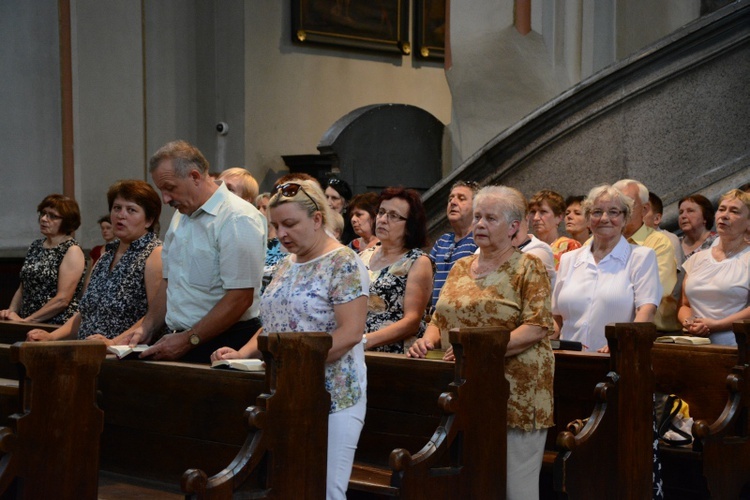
{"x":290,"y":190}
{"x":391,"y":216}
{"x":50,"y":216}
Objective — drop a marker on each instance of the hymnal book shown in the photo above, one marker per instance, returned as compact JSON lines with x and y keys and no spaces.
{"x":245,"y":365}
{"x":126,"y":351}
{"x":683,"y":339}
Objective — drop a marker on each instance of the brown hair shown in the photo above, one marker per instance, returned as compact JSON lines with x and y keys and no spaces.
{"x":416,"y":222}
{"x":706,"y":207}
{"x":553,"y":199}
{"x":67,"y":208}
{"x":140,"y":193}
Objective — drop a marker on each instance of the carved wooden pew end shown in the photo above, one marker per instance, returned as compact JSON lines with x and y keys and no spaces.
{"x":453,"y":462}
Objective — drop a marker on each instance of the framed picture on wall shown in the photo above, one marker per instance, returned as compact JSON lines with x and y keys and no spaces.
{"x":381,"y":25}
{"x":429,"y":29}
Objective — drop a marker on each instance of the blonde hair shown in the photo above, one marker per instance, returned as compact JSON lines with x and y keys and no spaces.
{"x":736,"y":194}
{"x":247,"y":182}
{"x":310,"y":197}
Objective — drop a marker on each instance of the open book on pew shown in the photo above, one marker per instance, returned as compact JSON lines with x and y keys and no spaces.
{"x":245,"y":365}
{"x":126,"y":351}
{"x":682,"y":339}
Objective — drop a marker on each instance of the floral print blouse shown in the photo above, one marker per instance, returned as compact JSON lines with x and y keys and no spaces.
{"x":387,"y":289}
{"x":301,"y":298}
{"x":115,"y":299}
{"x":517,"y":293}
{"x":39,"y":279}
{"x":560,"y":246}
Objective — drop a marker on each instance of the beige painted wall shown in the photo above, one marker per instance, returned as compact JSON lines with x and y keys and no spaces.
{"x":293,"y":93}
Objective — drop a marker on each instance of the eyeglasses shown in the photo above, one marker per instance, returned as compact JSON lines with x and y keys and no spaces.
{"x":392,"y":216}
{"x":335,"y":181}
{"x":611,"y":214}
{"x":290,"y":190}
{"x":50,"y":216}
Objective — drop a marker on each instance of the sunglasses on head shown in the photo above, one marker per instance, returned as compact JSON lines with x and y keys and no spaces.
{"x":290,"y":190}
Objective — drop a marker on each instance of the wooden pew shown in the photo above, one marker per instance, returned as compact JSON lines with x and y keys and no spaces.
{"x":712,"y":379}
{"x":15,"y":331}
{"x":52,"y":449}
{"x":715,"y":382}
{"x":612,"y":455}
{"x":465,"y":456}
{"x":291,"y":423}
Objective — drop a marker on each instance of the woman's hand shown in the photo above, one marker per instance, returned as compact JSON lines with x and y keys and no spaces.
{"x":419,"y":348}
{"x":225,"y":353}
{"x":101,"y":338}
{"x":8,"y":315}
{"x":38,"y":335}
{"x":701,"y":327}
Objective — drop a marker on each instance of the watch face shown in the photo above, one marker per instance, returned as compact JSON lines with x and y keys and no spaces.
{"x":194,"y":339}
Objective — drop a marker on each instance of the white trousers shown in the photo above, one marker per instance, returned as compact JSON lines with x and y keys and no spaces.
{"x":344,"y":428}
{"x":525,"y":454}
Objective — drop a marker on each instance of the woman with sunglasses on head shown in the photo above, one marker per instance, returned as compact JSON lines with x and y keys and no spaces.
{"x":320,"y":286}
{"x":401,"y":273}
{"x":608,"y":281}
{"x":52,"y":274}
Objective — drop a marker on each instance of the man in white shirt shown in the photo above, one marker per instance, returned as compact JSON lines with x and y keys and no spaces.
{"x":213,"y":258}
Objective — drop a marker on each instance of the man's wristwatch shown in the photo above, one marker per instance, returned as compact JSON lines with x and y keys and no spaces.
{"x":194,"y":339}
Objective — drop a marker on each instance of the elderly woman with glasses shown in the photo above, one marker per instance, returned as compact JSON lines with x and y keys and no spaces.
{"x":320,"y":287}
{"x":608,"y":281}
{"x":503,"y":287}
{"x":400,"y":273}
{"x":52,"y":274}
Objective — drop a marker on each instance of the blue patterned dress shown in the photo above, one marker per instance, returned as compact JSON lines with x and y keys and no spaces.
{"x":115,"y":299}
{"x":39,"y":276}
{"x":387,"y":290}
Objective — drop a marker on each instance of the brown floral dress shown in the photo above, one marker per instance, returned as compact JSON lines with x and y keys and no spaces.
{"x":517,"y":293}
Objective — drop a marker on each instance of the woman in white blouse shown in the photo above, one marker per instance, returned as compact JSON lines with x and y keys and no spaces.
{"x":608,"y":281}
{"x":716,"y":287}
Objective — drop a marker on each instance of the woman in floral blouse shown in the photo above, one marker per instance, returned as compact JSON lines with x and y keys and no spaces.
{"x":503,"y":287}
{"x":320,"y":287}
{"x":126,"y":275}
{"x":400,"y":273}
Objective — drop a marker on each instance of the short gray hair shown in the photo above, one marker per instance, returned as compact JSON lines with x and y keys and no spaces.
{"x":511,"y":202}
{"x":642,"y":189}
{"x":184,"y":157}
{"x":611,"y":193}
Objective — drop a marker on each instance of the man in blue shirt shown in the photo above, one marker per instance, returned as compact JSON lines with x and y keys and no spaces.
{"x":457,"y":244}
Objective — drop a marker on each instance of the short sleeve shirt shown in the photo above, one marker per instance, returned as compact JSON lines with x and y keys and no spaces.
{"x":516,"y":294}
{"x":219,"y":247}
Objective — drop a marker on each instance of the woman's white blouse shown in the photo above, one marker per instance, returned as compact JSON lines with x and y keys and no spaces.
{"x":589,"y":296}
{"x":717,"y":289}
